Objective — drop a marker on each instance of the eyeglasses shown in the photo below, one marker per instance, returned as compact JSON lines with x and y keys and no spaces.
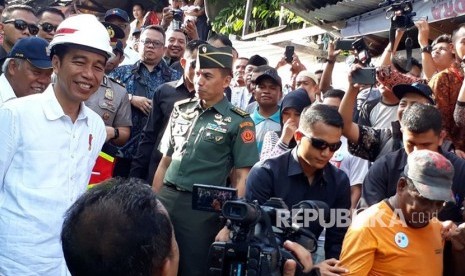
{"x":47,"y":27}
{"x":22,"y":25}
{"x":322,"y":144}
{"x":155,"y":44}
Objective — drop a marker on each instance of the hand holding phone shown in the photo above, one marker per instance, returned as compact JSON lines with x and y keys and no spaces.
{"x":364,"y":76}
{"x":289,"y":53}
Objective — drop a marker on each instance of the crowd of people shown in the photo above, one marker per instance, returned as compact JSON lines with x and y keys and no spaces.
{"x":106,"y":124}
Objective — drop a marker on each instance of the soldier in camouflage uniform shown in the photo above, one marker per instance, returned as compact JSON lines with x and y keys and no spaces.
{"x":205,"y":138}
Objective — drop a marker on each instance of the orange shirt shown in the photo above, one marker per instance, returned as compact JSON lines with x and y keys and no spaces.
{"x":378,"y":243}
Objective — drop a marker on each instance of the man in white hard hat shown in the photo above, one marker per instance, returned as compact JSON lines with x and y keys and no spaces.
{"x":48,"y":146}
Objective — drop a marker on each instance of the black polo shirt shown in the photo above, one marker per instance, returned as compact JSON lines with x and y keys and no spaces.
{"x":282,"y":177}
{"x":381,"y":182}
{"x":147,"y":157}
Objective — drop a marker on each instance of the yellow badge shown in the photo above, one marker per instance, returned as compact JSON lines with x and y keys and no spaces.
{"x":109,"y":94}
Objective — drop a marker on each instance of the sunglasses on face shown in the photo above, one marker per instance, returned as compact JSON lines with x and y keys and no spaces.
{"x":48,"y":28}
{"x":22,"y":25}
{"x":322,"y":144}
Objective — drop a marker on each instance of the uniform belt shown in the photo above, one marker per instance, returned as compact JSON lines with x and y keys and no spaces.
{"x":174,"y":187}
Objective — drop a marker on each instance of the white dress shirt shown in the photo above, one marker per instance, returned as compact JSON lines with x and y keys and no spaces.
{"x":240,"y":97}
{"x":6,"y":91}
{"x":45,"y":165}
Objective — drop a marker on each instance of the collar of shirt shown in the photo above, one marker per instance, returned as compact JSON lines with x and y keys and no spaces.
{"x":294,"y":168}
{"x":258,"y":118}
{"x":221,"y":107}
{"x":54,"y":111}
{"x":6,"y":93}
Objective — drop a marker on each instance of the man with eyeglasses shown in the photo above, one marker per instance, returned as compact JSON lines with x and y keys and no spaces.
{"x":141,"y":80}
{"x":49,"y":19}
{"x":305,"y":173}
{"x":18,"y":21}
{"x":401,"y":235}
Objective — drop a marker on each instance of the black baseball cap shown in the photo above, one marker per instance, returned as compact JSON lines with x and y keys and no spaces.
{"x":419,"y":88}
{"x":267,"y":72}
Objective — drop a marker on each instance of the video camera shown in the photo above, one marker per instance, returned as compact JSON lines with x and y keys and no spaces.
{"x":256,"y":246}
{"x":400,"y":13}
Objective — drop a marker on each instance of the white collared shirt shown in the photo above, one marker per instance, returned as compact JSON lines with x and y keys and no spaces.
{"x":45,"y":165}
{"x":240,"y":97}
{"x":6,"y":91}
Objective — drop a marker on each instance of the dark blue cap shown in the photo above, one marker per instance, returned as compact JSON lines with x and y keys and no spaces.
{"x":32,"y":49}
{"x":117,"y":12}
{"x":118,"y":47}
{"x":418,"y":88}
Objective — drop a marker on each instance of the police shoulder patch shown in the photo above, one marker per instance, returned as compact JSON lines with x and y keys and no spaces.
{"x":239,"y":111}
{"x":117,"y":81}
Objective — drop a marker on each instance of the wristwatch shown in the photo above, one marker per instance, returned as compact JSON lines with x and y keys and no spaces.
{"x":427,"y":49}
{"x":116,"y":134}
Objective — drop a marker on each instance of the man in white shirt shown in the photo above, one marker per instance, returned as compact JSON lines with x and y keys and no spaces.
{"x":48,"y":146}
{"x":27,"y":69}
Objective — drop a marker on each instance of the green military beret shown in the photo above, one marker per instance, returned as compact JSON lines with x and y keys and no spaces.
{"x":212,"y":57}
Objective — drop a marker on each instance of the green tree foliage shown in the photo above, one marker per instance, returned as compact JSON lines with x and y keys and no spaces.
{"x":265,"y":14}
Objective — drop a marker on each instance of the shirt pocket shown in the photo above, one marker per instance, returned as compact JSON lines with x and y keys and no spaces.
{"x":214,"y":137}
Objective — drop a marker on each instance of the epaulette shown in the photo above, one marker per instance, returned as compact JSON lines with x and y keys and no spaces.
{"x":239,"y":111}
{"x":188,"y":100}
{"x":117,"y":81}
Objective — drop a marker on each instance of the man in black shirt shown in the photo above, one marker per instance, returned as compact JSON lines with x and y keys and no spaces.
{"x":148,"y":156}
{"x":305,"y":172}
{"x":421,"y":129}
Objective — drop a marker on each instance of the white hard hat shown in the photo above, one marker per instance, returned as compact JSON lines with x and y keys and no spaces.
{"x":84,"y":30}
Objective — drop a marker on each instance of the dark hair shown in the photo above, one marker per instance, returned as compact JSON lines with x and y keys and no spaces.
{"x":222,"y":38}
{"x":420,"y":118}
{"x":193,"y":45}
{"x":56,"y":11}
{"x":155,"y":28}
{"x":334,"y":93}
{"x":60,"y":50}
{"x":400,"y":62}
{"x":10,"y":9}
{"x":319,"y":71}
{"x":445,"y":38}
{"x":116,"y":228}
{"x":140,"y":5}
{"x":320,"y":113}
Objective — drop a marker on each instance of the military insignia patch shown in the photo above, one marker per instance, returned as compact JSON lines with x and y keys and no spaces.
{"x":248,"y":136}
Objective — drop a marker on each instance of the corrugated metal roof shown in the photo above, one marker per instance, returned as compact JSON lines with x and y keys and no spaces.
{"x":333,"y":12}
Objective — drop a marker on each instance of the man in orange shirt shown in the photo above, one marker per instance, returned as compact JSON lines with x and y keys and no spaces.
{"x":399,"y":235}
